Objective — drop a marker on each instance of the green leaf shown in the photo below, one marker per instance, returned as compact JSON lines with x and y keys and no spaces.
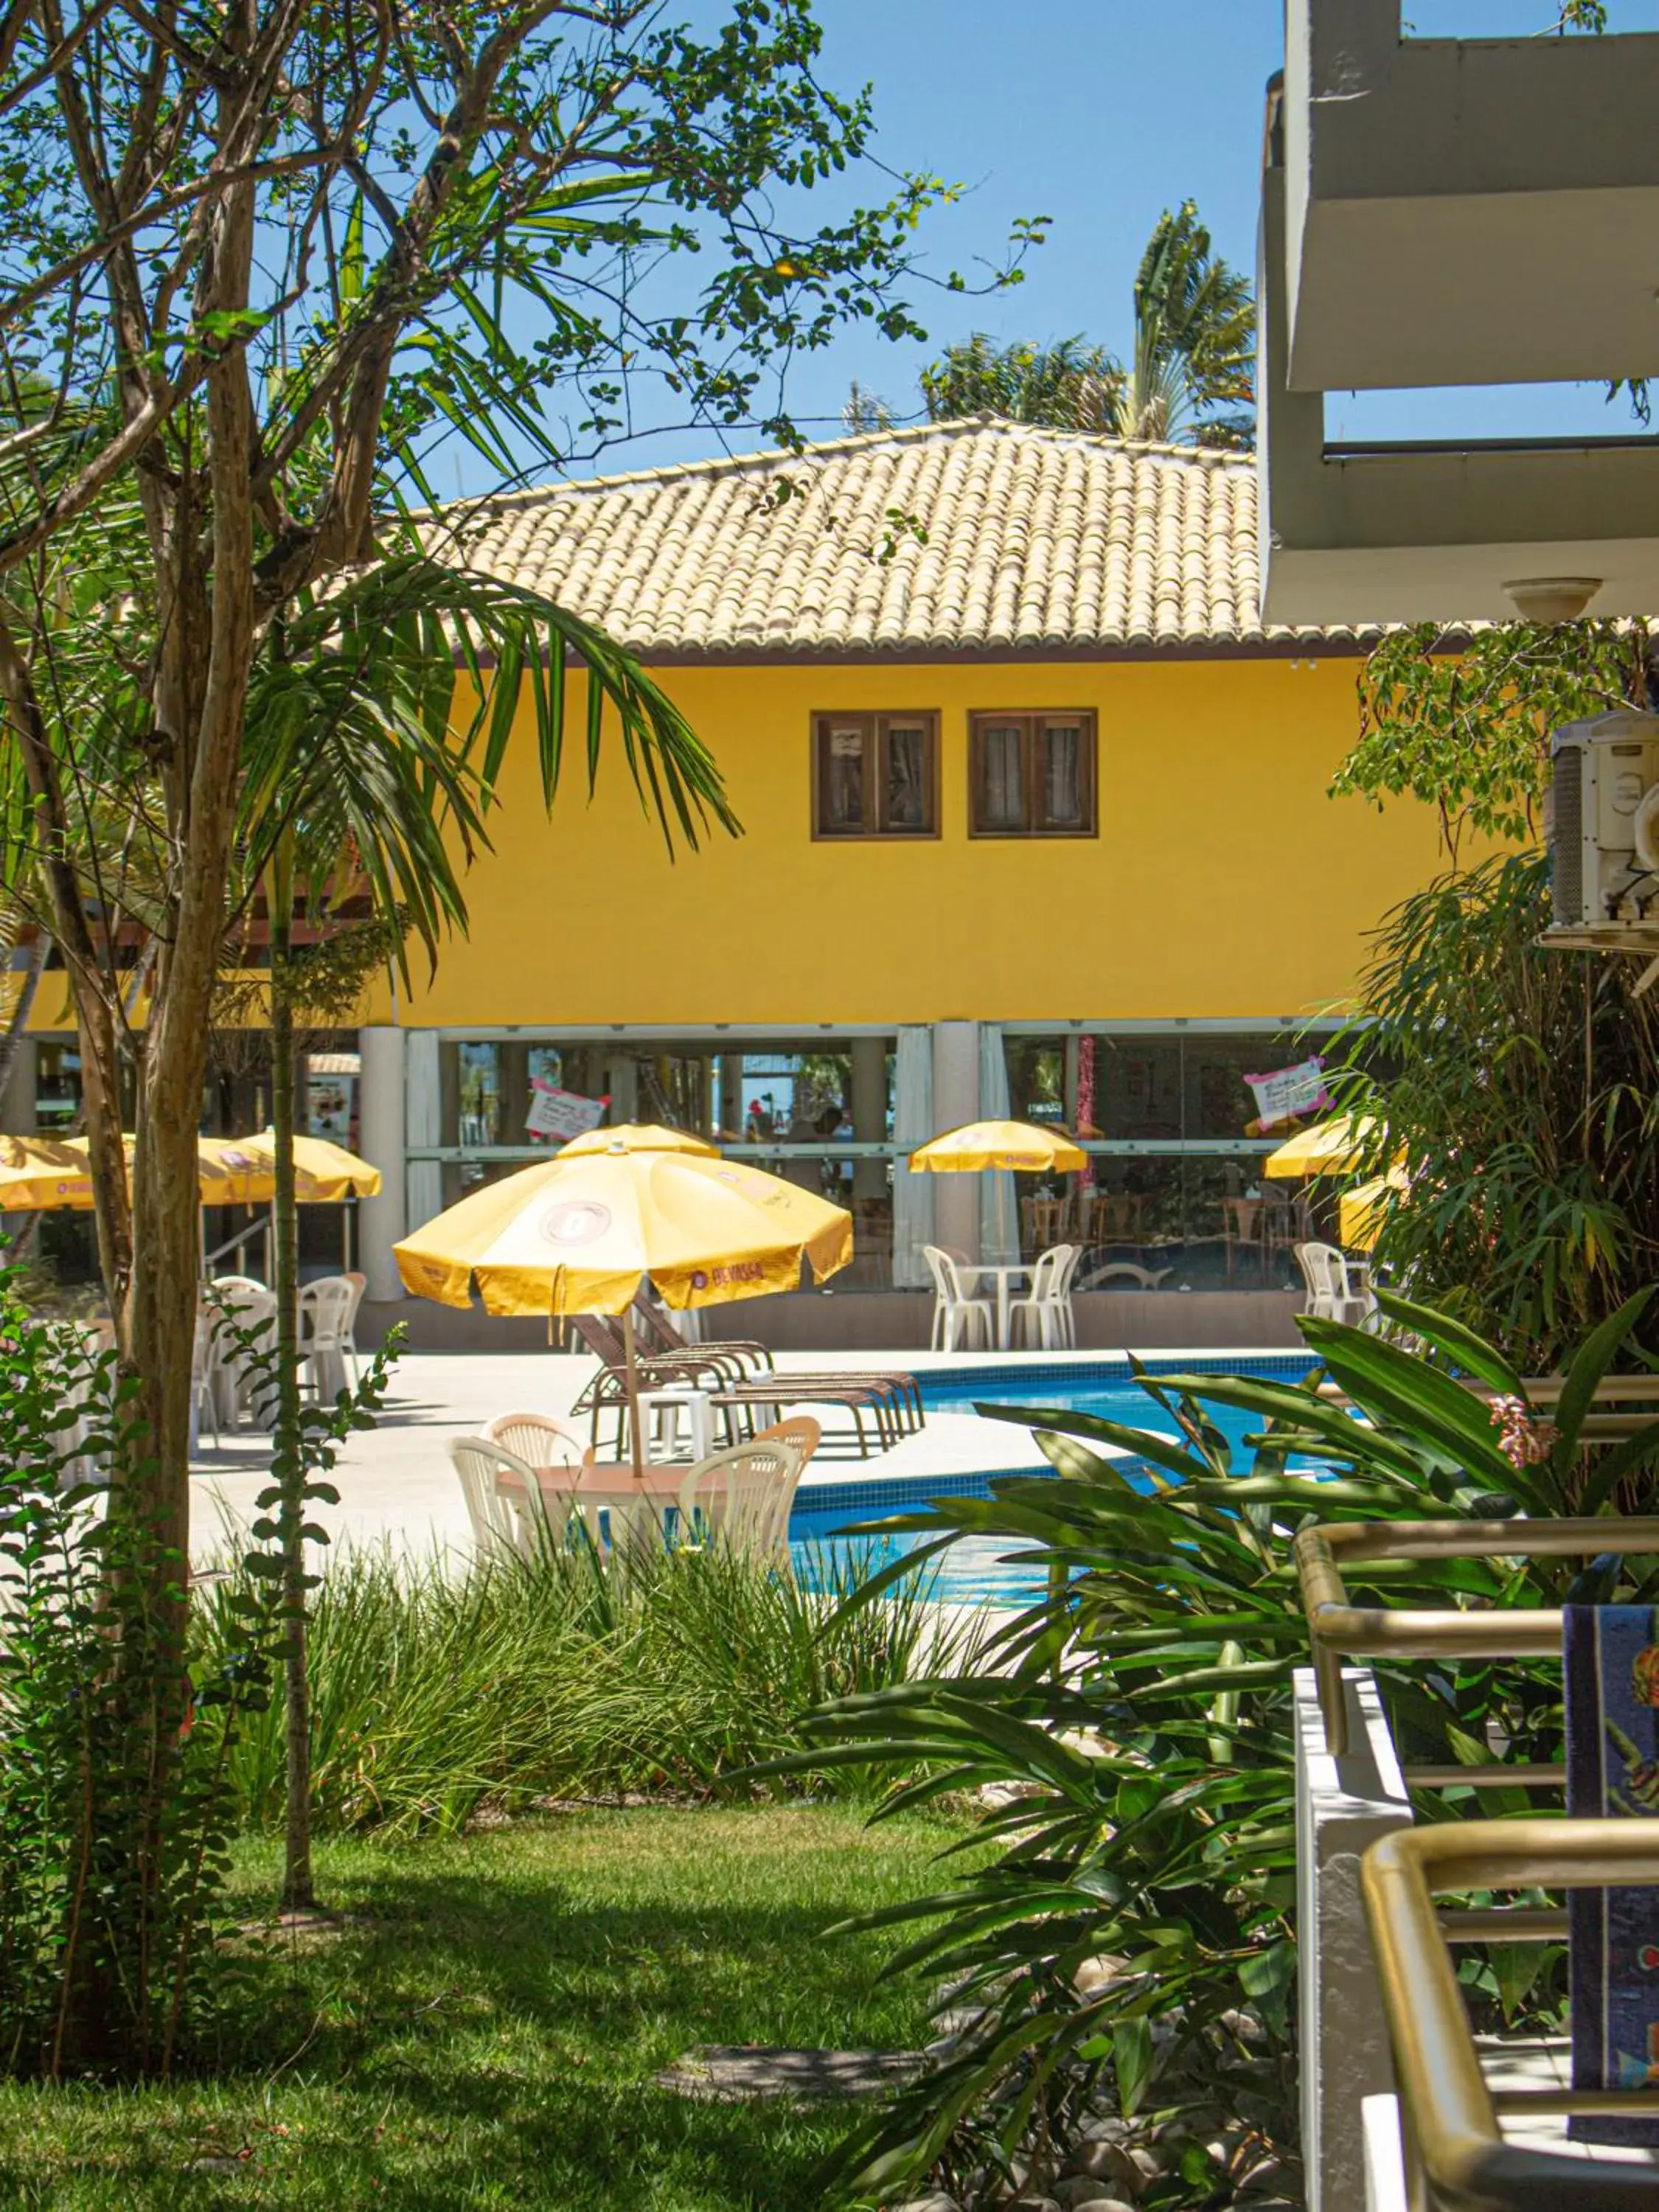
{"x":1132,"y":2062}
{"x":1590,"y":1363}
{"x":1470,"y":1351}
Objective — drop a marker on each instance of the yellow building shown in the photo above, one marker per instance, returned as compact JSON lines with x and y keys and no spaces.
{"x":1033,"y":808}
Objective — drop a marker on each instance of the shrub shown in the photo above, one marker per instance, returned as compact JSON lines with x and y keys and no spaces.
{"x":434,"y":1695}
{"x":1523,"y":1086}
{"x":1134,"y":1935}
{"x":111,"y":1862}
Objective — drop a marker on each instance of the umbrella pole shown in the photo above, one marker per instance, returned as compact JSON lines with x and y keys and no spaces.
{"x":632,"y":1385}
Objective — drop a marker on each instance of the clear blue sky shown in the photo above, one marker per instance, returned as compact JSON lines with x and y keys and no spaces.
{"x":1099,"y":113}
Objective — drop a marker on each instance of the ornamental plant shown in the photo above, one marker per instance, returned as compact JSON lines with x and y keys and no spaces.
{"x":114,"y":1860}
{"x":1132,"y":1939}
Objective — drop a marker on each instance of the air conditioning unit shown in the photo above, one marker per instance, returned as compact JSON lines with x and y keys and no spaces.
{"x":1601,"y":822}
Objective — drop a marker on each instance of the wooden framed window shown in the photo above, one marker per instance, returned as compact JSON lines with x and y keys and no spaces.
{"x":875,"y":775}
{"x":1031,"y":775}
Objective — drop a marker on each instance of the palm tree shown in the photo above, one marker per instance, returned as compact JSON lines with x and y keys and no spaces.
{"x":1189,"y":377}
{"x":1195,"y":356}
{"x":1068,"y":385}
{"x":362,"y":784}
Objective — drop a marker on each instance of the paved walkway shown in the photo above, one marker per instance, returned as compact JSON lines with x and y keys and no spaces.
{"x":397,"y":1484}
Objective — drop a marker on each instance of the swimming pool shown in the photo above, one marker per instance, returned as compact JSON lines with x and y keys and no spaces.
{"x":978,"y":1568}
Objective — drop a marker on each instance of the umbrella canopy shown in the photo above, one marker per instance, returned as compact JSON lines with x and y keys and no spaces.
{"x":1021,"y":1146}
{"x":1362,"y":1211}
{"x":584,"y":1233}
{"x":639,"y":1137}
{"x":40,"y":1173}
{"x":325,"y":1174}
{"x":1334,"y":1147}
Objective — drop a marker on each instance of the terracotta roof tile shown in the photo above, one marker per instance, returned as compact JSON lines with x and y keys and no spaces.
{"x":980,"y":534}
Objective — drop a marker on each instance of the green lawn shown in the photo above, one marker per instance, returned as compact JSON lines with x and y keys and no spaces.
{"x":486,"y":2037}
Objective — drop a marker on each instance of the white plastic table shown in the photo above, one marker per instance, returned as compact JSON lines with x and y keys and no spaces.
{"x":661,"y":1410}
{"x":1005,"y":1278}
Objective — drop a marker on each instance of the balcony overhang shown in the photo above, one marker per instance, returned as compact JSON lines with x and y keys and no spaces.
{"x":1433,"y":533}
{"x":1463,"y":212}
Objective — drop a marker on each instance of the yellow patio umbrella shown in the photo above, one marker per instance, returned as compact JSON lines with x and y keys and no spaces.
{"x":324,"y":1173}
{"x":584,"y":1233}
{"x":1331,"y":1147}
{"x":38,"y":1174}
{"x":1021,"y":1146}
{"x":638,"y":1137}
{"x":1362,"y":1211}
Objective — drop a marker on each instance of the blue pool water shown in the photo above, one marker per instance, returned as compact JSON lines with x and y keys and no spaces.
{"x":977,"y":1568}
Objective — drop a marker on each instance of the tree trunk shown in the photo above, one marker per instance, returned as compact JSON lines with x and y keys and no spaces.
{"x":299,"y":1894}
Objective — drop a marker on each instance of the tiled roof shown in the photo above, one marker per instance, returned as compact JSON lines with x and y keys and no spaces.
{"x":980,"y":535}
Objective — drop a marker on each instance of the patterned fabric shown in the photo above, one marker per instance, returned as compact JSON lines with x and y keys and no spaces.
{"x":1610,"y":1656}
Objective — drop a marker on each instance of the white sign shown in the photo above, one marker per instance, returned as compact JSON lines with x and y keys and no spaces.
{"x":555,"y":1113}
{"x":330,"y":1100}
{"x":1289,"y":1093}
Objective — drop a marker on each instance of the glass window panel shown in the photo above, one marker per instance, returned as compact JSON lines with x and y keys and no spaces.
{"x":1062,"y":779}
{"x":842,"y":778}
{"x":479,"y":1097}
{"x":1036,"y":1077}
{"x":58,"y":1086}
{"x":907,"y":776}
{"x":1001,"y":784}
{"x":1222,"y":1103}
{"x":1138,"y":1086}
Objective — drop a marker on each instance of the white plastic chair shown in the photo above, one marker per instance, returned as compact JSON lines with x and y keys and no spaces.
{"x":326,"y":1307}
{"x":1062,"y":1295}
{"x":539,"y":1440}
{"x":1045,"y":1314}
{"x":1143,"y":1278}
{"x":520,"y":1523}
{"x":1331,"y":1297}
{"x":799,"y":1430}
{"x":954,"y":1311}
{"x":201,"y":1384}
{"x":349,"y":1347}
{"x":740,"y":1499}
{"x":238,"y":1384}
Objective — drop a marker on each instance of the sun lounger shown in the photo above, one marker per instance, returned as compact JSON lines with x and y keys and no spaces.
{"x":760,"y":1363}
{"x":739,"y":1390}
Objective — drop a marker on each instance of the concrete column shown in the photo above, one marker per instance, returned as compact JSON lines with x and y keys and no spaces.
{"x":1342,"y":1805}
{"x":424,"y":1183}
{"x":17,"y":1099}
{"x":955,"y":1100}
{"x":870,"y":1113}
{"x":381,"y":1221}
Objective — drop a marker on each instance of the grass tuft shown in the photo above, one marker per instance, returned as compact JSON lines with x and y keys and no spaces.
{"x":437,"y":1699}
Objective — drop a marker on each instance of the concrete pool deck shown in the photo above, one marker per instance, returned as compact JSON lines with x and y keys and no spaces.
{"x":397,"y":1485}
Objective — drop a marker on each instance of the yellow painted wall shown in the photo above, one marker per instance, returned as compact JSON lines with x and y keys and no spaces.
{"x":1223,"y":880}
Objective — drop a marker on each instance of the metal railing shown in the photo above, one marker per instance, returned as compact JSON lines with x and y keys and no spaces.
{"x":1339,"y":1628}
{"x":1456,"y":2157}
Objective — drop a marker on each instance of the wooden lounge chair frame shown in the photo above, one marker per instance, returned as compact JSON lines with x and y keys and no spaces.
{"x":895,"y":1381}
{"x":893,"y":1399}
